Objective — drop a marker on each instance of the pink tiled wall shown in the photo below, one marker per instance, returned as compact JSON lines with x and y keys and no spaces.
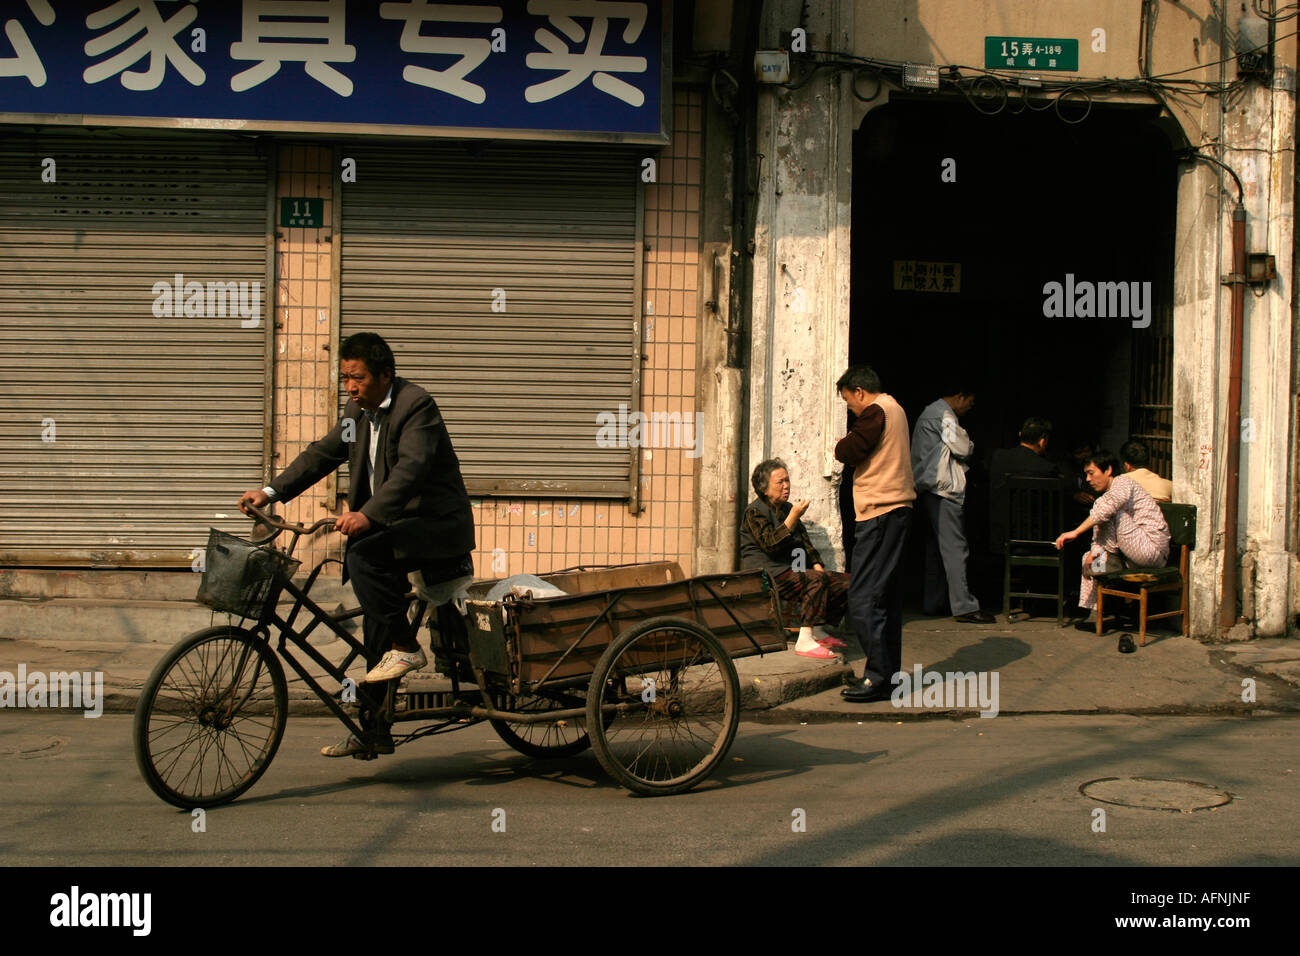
{"x":304,"y":398}
{"x":522,"y":534}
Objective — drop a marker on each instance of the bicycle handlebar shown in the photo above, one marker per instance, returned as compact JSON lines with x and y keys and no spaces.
{"x":273,"y":522}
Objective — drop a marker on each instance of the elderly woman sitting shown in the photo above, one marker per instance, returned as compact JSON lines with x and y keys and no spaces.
{"x":773,"y":538}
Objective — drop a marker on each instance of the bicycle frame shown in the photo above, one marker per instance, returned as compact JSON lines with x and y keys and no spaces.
{"x":383,"y":710}
{"x":201,"y":737}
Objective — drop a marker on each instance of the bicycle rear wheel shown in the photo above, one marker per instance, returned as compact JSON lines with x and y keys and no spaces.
{"x":546,"y":739}
{"x":210,"y":717}
{"x":681,"y":706}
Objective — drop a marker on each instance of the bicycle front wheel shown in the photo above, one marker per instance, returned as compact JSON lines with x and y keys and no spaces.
{"x":210,"y":717}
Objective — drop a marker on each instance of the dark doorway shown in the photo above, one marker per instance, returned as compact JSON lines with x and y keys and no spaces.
{"x":1034,"y":199}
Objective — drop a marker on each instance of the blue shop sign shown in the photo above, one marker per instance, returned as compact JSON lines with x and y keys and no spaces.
{"x":585,"y":69}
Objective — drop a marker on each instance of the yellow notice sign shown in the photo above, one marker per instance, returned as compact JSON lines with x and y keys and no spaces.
{"x":915,"y":275}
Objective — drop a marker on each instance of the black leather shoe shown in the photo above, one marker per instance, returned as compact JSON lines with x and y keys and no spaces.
{"x":864,"y":692}
{"x":976,"y":617}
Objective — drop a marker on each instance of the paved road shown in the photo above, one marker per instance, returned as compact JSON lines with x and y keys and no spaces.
{"x":939,"y":792}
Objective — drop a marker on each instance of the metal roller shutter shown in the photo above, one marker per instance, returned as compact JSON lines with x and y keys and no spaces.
{"x":157,"y":422}
{"x":431,"y":233}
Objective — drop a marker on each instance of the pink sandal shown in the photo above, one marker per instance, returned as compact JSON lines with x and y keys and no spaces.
{"x":830,"y":642}
{"x":819,"y":654}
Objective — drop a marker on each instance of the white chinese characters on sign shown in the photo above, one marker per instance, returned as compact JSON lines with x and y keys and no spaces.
{"x":154,"y":38}
{"x":573,"y":46}
{"x":273,"y":42}
{"x":25,"y":62}
{"x":42,"y":11}
{"x":472,"y":51}
{"x":592,"y":62}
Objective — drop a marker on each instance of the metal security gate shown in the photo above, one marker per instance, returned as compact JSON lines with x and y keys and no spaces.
{"x":506,"y":278}
{"x":1151,"y":410}
{"x":1151,"y":395}
{"x":133,"y":303}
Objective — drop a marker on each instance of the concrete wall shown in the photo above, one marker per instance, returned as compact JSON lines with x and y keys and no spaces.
{"x":721,"y":387}
{"x":800,"y":289}
{"x":1262,"y":131}
{"x":800,"y":298}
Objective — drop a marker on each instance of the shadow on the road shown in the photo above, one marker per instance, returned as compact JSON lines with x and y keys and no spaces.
{"x":790,"y":756}
{"x":890,"y":828}
{"x":988,"y":654}
{"x":474,"y":768}
{"x":491,"y":767}
{"x":506,"y":766}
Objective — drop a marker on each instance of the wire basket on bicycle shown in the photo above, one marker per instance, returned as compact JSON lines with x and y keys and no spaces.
{"x":240,"y":577}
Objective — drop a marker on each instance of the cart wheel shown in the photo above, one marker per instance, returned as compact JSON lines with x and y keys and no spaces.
{"x":676,"y":730}
{"x":546,"y":739}
{"x":210,"y":717}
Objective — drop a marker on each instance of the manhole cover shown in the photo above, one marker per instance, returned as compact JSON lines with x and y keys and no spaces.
{"x":1155,"y":793}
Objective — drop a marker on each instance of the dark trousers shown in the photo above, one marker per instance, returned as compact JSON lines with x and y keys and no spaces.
{"x":876,"y":592}
{"x":381,"y":582}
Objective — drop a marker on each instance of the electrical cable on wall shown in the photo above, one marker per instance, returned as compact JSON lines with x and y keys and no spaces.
{"x":1272,"y":16}
{"x":1189,"y":155}
{"x":989,"y":91}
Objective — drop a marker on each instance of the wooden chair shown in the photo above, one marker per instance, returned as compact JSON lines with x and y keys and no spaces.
{"x":1137,"y":584}
{"x":1036,"y":514}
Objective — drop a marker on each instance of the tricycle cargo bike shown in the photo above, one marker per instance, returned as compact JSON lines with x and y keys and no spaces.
{"x":634,"y":661}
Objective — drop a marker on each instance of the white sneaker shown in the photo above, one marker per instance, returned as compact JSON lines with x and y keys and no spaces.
{"x":351,"y":746}
{"x":395,"y":664}
{"x":346,"y":747}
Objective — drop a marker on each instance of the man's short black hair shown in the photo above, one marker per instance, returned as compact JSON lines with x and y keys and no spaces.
{"x":1035,"y":428}
{"x":859,"y":376}
{"x":371,"y":349}
{"x":1135,"y":453}
{"x":1087,"y":446}
{"x":1104,"y":459}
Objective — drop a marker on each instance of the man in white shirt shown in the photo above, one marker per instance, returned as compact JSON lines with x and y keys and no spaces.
{"x":941,"y":451}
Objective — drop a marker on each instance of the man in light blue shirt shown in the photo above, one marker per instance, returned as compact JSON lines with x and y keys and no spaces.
{"x":941,"y":452}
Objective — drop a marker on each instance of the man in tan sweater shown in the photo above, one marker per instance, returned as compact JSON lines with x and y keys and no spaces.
{"x":878,"y":450}
{"x":1136,"y":457}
